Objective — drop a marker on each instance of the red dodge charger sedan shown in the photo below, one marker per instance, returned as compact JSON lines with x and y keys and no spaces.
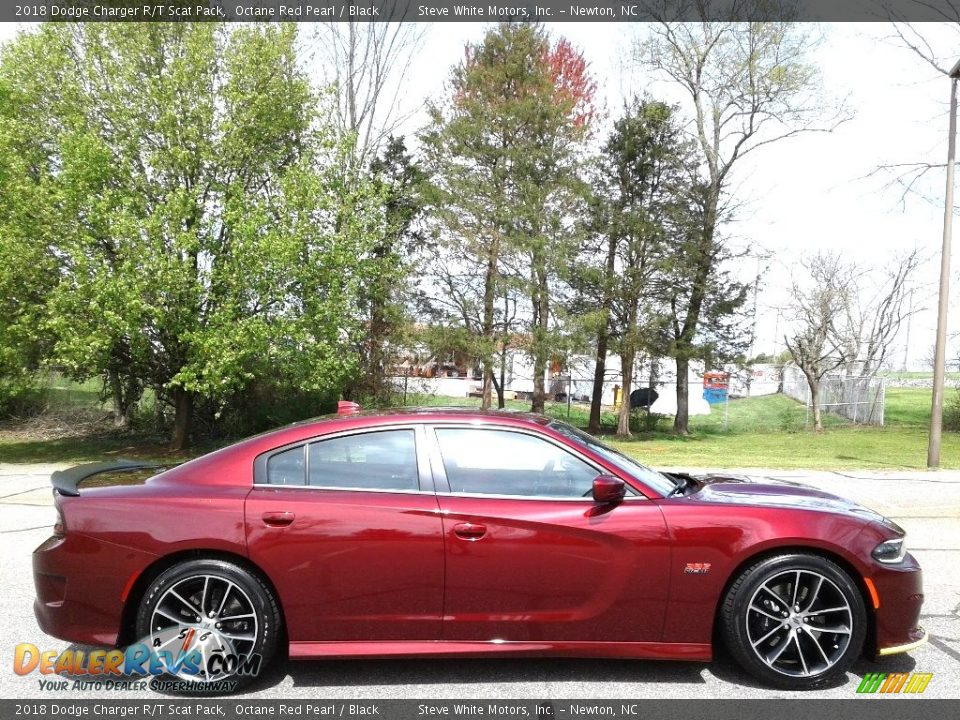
{"x":467,"y":533}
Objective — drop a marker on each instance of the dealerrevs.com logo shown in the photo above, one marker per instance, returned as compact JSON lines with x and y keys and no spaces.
{"x":893,"y":683}
{"x":185,"y":668}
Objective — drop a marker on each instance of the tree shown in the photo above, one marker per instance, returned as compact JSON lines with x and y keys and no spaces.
{"x":935,"y":45}
{"x":384,"y":299}
{"x":549,"y":189}
{"x":367,"y":63}
{"x":469,"y":151}
{"x":873,"y":320}
{"x":28,"y":271}
{"x":818,"y":344}
{"x":842,"y":324}
{"x":592,"y":280}
{"x":699,"y":290}
{"x":748,"y":85}
{"x":503,"y":156}
{"x":641,"y":179}
{"x":206,"y":233}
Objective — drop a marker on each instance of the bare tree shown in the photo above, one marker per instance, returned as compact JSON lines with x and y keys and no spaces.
{"x":818,"y":345}
{"x":839,"y":327}
{"x":455,"y":306}
{"x":874,"y":323}
{"x":916,"y":36}
{"x":935,"y":44}
{"x":749,"y":84}
{"x":368,"y":63}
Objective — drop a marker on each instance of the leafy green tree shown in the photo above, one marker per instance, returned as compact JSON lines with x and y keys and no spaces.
{"x":699,"y":289}
{"x":204,"y":233}
{"x":641,"y":179}
{"x":551,"y":194}
{"x":471,"y":149}
{"x":385,"y":298}
{"x":591,"y":281}
{"x":503,"y":159}
{"x":27,"y":269}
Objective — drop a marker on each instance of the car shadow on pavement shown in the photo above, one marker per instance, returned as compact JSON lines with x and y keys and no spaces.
{"x":727,"y":670}
{"x":361,"y":673}
{"x":504,"y":672}
{"x":364,"y":673}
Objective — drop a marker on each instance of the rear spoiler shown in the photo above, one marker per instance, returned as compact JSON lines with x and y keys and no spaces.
{"x":66,"y":482}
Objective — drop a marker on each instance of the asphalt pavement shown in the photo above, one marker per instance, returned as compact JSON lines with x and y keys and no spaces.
{"x":927,"y":505}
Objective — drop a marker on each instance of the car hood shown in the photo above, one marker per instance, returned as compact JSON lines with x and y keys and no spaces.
{"x":767,"y":492}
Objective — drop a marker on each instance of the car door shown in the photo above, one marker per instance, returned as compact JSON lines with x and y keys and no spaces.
{"x":347,"y":528}
{"x":530,"y":556}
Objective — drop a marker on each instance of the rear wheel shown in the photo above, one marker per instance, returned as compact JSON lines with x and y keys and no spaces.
{"x":794,"y":621}
{"x":211,"y":624}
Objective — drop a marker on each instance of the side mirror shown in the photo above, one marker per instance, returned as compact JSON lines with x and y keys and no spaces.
{"x":608,"y":489}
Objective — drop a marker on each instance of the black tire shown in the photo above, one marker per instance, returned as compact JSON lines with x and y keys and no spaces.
{"x":234,"y":601}
{"x":810,"y":644}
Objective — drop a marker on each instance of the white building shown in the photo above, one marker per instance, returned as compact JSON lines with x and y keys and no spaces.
{"x":453,"y":380}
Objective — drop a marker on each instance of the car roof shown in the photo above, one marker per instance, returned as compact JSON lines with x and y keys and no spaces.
{"x":223,"y":466}
{"x":373,"y":418}
{"x":454,"y":411}
{"x":418,"y":414}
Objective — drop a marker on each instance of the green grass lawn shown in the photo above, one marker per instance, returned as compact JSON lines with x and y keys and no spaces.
{"x":916,"y":375}
{"x":769,"y":432}
{"x":911,"y":406}
{"x":76,"y":449}
{"x":765,"y":431}
{"x":845,"y":448}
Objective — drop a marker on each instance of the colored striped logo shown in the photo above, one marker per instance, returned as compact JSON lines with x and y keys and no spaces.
{"x":891,"y":683}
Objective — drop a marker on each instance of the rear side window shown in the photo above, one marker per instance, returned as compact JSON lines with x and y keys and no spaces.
{"x":384,"y":460}
{"x":287,"y":467}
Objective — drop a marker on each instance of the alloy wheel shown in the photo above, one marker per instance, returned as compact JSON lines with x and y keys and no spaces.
{"x":207,"y":615}
{"x":799,"y":623}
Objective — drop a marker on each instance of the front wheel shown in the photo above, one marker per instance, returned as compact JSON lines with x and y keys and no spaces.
{"x":210,"y":624}
{"x":794,"y":621}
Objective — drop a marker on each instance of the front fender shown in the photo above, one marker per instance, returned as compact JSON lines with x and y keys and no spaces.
{"x":712,"y":545}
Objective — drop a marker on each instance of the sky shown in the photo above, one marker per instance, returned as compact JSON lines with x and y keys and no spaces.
{"x":808,"y":193}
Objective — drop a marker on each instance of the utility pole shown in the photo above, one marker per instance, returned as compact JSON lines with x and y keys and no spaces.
{"x":936,"y":410}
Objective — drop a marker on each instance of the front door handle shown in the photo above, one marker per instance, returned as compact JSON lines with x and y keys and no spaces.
{"x":277,"y":518}
{"x":470,"y":531}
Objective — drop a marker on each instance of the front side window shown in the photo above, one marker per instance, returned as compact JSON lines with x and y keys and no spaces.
{"x":383,"y":460}
{"x":624,"y":463}
{"x":502,"y":462}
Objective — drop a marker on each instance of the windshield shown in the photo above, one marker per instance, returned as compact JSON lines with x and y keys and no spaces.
{"x":651,"y":478}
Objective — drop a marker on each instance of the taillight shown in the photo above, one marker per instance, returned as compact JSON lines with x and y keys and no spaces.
{"x":60,"y":526}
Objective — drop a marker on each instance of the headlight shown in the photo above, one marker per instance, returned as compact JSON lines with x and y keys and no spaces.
{"x":890,"y":552}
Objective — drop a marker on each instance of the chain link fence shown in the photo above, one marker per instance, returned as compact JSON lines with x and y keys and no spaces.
{"x":859,"y":399}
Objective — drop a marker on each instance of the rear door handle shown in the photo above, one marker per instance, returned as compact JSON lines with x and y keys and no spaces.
{"x":470,"y":531}
{"x":277,"y":518}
